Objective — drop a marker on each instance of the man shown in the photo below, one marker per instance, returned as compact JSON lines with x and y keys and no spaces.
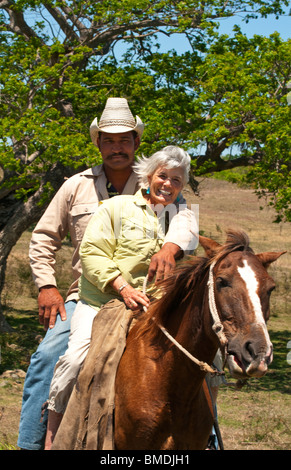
{"x":117,"y":136}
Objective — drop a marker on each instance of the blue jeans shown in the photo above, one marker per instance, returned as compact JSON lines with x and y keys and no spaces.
{"x":32,"y":429}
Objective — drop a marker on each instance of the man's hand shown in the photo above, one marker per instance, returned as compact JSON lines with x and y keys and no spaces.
{"x":50,"y":303}
{"x":163,"y":262}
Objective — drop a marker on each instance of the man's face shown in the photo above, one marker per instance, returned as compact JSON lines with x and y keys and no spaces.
{"x":118,"y":150}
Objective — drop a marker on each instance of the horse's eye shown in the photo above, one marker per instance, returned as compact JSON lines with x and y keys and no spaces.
{"x":221,"y":283}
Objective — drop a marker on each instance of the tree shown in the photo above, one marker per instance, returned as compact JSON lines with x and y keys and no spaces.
{"x":228,"y":106}
{"x":235,"y":111}
{"x":52,"y":84}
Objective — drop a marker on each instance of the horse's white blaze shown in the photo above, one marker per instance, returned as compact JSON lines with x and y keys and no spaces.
{"x":249,"y":277}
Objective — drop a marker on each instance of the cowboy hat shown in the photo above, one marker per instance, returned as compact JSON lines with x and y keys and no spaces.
{"x":116,"y":118}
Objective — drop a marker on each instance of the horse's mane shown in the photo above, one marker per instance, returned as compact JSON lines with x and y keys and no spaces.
{"x":235,"y":241}
{"x":178,"y":289}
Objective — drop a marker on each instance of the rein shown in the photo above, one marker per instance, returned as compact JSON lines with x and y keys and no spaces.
{"x":217,"y":326}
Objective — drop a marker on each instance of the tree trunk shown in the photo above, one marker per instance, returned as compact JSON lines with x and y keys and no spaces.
{"x":4,"y":325}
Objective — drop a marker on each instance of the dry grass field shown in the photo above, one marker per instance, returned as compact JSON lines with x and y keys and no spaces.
{"x":257,"y":417}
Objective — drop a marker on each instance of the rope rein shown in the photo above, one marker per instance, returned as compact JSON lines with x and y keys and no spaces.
{"x":217,"y":326}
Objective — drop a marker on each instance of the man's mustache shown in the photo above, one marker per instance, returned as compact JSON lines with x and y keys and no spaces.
{"x":112,"y":155}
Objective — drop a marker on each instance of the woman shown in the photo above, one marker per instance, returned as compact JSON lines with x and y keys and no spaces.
{"x":121,"y":238}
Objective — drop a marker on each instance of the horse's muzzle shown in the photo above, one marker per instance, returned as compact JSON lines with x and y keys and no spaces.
{"x":249,"y":358}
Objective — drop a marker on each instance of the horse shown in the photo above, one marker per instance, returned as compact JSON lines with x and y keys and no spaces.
{"x":217,"y":301}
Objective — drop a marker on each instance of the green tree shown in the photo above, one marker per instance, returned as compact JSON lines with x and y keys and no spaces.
{"x":52,"y":84}
{"x":229,"y":107}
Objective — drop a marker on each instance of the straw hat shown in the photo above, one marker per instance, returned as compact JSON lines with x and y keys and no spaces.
{"x":116,"y":118}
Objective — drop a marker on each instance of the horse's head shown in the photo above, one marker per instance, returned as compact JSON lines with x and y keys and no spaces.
{"x":242,"y":289}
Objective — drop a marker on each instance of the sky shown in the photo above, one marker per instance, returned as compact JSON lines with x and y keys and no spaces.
{"x":261,"y":26}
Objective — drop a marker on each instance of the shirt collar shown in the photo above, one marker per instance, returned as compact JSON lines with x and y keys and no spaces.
{"x":139,"y":199}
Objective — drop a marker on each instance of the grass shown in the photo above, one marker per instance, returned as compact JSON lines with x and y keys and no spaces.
{"x":260,"y":421}
{"x":258,"y":416}
{"x":10,"y":394}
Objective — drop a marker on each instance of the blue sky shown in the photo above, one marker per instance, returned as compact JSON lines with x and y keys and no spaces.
{"x":261,"y":26}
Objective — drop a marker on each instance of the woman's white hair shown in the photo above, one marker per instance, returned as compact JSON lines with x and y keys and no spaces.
{"x":169,"y":157}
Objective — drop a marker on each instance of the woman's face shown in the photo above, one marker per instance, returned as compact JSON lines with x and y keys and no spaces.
{"x":165,"y":185}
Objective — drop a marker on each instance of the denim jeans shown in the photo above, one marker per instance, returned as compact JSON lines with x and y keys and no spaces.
{"x":32,"y":429}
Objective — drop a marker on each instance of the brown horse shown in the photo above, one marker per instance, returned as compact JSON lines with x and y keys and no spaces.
{"x":160,"y":403}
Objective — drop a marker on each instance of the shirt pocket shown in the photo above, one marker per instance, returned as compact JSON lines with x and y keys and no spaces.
{"x":138,"y":229}
{"x":81,"y":214}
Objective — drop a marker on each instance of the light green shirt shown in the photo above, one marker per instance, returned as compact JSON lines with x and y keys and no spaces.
{"x":121,"y":238}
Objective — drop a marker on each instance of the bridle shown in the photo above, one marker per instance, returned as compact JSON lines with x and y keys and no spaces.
{"x":217,"y":326}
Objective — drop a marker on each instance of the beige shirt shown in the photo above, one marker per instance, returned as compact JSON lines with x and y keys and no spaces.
{"x":69,"y":213}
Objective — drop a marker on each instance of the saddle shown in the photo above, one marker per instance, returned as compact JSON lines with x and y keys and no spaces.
{"x":88,"y":421}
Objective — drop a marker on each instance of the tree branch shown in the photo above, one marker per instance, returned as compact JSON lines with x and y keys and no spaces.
{"x":62,"y":22}
{"x":17,"y":23}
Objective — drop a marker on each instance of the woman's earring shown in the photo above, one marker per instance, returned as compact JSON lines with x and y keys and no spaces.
{"x":148,"y":191}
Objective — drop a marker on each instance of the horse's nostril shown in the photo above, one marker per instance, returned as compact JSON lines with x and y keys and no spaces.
{"x":249,"y":348}
{"x":269,"y":358}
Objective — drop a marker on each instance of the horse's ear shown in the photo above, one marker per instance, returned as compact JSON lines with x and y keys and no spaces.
{"x":269,"y":257}
{"x":209,"y":246}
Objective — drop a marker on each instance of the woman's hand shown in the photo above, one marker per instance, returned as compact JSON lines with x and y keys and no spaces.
{"x":133,"y":298}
